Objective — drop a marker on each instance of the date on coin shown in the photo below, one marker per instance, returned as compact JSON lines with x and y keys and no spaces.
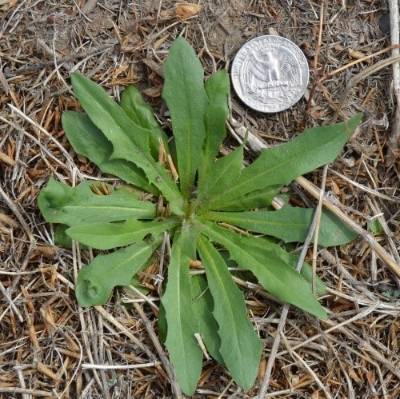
{"x":270,"y":73}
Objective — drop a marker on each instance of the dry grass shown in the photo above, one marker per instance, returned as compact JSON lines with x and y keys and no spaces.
{"x":48,"y":345}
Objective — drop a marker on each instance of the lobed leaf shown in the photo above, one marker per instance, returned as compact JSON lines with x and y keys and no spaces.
{"x":217,"y":89}
{"x":240,"y":345}
{"x":106,"y":114}
{"x":226,"y":172}
{"x":87,"y":140}
{"x":280,"y":165}
{"x":289,"y":224}
{"x":262,"y":248}
{"x":202,"y":304}
{"x":181,"y":343}
{"x":60,"y":203}
{"x":142,"y":114}
{"x":252,"y":200}
{"x":187,"y":101}
{"x":96,"y":281}
{"x":129,"y":141}
{"x":273,"y":273}
{"x":113,"y":235}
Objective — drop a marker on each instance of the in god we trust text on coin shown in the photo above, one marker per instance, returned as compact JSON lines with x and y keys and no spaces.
{"x":270,"y":73}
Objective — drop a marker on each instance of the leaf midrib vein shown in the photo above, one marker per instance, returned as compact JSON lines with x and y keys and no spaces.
{"x":258,"y":264}
{"x":164,"y":182}
{"x":179,"y":308}
{"x":108,"y":207}
{"x":262,"y":222}
{"x":132,"y":257}
{"x":227,"y":303}
{"x":242,"y":180}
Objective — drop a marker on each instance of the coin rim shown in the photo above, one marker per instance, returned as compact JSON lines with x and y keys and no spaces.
{"x":236,"y":80}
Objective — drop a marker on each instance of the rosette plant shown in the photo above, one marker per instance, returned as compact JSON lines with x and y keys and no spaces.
{"x":215,"y":210}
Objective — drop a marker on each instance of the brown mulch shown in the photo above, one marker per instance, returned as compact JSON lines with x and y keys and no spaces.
{"x":47,"y":343}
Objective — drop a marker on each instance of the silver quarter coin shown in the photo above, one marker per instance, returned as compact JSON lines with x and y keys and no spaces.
{"x":270,"y":73}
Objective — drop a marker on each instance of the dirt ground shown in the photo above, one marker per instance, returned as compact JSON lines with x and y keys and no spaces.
{"x":47,"y":342}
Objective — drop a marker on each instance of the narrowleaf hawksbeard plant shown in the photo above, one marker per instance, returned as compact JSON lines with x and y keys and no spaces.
{"x":213,"y":208}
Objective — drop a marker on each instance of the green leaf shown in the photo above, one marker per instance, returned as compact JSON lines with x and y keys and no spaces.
{"x":141,"y":113}
{"x":202,"y":308}
{"x":217,"y":88}
{"x":225,"y":171}
{"x":105,"y":113}
{"x":60,"y":203}
{"x":128,"y":140}
{"x":254,"y":199}
{"x":61,"y":238}
{"x":162,"y":327}
{"x":97,"y":280}
{"x":187,"y":101}
{"x":274,"y":274}
{"x":112,"y":235}
{"x":91,"y":143}
{"x":181,"y":343}
{"x":261,"y":248}
{"x":240,"y":345}
{"x":290,"y":224}
{"x":280,"y":165}
{"x":375,"y":227}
